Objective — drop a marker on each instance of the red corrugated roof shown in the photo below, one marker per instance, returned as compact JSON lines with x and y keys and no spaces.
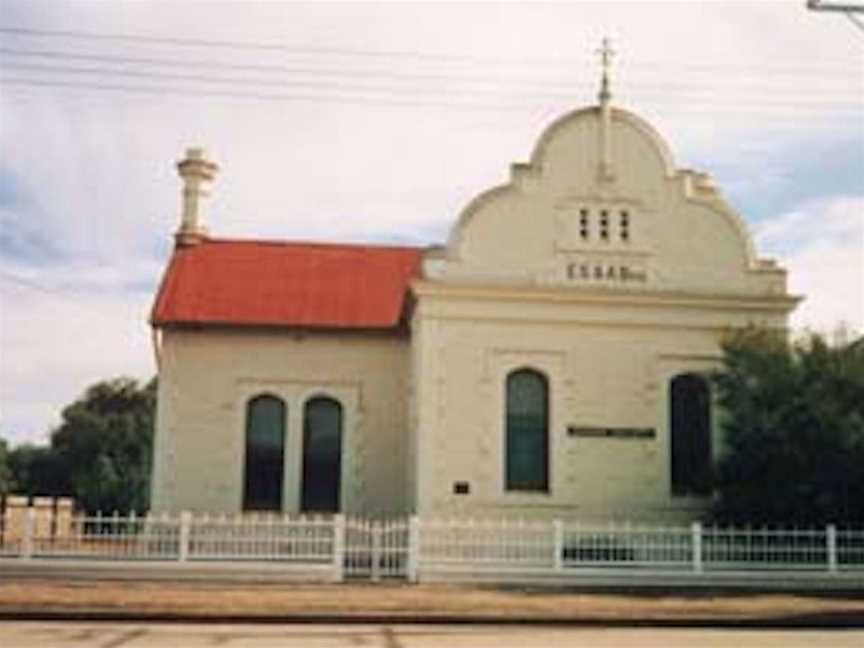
{"x":263,"y":283}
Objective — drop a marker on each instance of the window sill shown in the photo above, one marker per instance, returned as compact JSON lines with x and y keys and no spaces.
{"x":530,"y":493}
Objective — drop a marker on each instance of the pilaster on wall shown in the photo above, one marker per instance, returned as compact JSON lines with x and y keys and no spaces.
{"x":427,"y":372}
{"x":162,"y":480}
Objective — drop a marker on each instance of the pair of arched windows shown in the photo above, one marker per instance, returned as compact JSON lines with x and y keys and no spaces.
{"x":526,"y":465}
{"x":264,"y":468}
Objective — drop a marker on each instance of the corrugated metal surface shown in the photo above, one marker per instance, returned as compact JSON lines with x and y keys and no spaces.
{"x":249,"y":283}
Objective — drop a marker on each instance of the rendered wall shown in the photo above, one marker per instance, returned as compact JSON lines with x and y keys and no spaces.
{"x":206,"y":378}
{"x":608,"y":366}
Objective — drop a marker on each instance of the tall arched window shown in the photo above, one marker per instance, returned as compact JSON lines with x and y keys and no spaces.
{"x":265,"y":454}
{"x":527,"y":435}
{"x":690,"y":435}
{"x":322,"y":455}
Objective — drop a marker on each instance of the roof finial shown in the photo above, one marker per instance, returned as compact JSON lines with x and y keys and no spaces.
{"x":606,"y":53}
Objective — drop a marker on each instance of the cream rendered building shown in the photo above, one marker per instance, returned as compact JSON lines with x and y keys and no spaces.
{"x":548,"y":360}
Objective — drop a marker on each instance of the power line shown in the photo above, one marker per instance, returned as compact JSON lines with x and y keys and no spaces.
{"x":272,"y":68}
{"x":31,"y":284}
{"x":822,"y":66}
{"x":353,"y":73}
{"x":855,"y":20}
{"x":283,"y":83}
{"x":69,"y":296}
{"x":705,"y":106}
{"x":258,"y":96}
{"x":27,"y":283}
{"x":388,"y":89}
{"x":271,"y":47}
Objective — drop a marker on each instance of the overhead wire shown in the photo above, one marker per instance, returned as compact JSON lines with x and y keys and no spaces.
{"x":854,"y":20}
{"x":255,"y":95}
{"x":352,"y":73}
{"x":27,"y":283}
{"x":705,"y":109}
{"x":387,"y":89}
{"x":266,"y":69}
{"x":247,"y":81}
{"x":439,"y":57}
{"x":34,"y":285}
{"x":264,"y":47}
{"x":341,"y":85}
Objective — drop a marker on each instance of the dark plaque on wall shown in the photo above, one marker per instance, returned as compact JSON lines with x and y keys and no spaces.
{"x":461,"y":488}
{"x":611,"y":432}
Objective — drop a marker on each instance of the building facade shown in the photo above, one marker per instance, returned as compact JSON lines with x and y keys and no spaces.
{"x":549,"y":360}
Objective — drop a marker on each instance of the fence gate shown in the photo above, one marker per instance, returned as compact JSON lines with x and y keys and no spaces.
{"x":376,"y":549}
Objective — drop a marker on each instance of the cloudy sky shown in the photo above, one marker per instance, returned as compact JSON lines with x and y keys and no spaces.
{"x":378,"y":122}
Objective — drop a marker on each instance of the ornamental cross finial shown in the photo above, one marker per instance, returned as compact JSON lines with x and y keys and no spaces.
{"x":606,"y":53}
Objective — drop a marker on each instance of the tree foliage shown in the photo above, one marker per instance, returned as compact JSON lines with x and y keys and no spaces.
{"x":106,"y":440}
{"x":38,"y":470}
{"x":7,"y":485}
{"x":101,"y":452}
{"x":793,"y":431}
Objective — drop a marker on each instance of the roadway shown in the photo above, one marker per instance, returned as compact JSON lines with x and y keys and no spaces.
{"x":62,"y":634}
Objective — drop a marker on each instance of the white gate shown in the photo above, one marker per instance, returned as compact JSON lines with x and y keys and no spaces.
{"x":376,"y":549}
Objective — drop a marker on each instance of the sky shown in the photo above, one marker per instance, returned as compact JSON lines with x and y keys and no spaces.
{"x":379,"y":123}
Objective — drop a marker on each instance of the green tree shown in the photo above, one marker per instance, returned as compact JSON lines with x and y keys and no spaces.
{"x":38,"y":470}
{"x":105,"y":440}
{"x":793,"y":431}
{"x":7,"y":485}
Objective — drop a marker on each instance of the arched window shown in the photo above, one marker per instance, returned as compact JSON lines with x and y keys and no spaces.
{"x":527,"y":435}
{"x":265,"y":454}
{"x":690,"y":435}
{"x":322,"y":455}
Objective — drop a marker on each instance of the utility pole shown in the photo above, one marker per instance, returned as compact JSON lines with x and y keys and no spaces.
{"x":846,"y":8}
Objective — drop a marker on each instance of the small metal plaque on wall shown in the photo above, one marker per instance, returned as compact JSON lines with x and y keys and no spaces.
{"x":611,"y":432}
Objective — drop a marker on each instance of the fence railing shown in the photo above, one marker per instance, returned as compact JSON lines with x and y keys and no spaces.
{"x":558,"y":546}
{"x":313,"y":543}
{"x":338,"y":547}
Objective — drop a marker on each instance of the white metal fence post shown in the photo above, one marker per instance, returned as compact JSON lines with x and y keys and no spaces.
{"x":696,"y":539}
{"x":185,"y":524}
{"x":558,"y":528}
{"x":29,"y":530}
{"x":375,"y":567}
{"x":339,"y":548}
{"x":413,"y":548}
{"x":831,"y":541}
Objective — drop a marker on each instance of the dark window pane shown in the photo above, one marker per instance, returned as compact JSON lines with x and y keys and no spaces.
{"x":690,"y":435}
{"x":265,"y":454}
{"x":322,"y":455}
{"x":527,"y":466}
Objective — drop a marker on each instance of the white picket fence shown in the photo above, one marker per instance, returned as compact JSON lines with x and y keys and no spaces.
{"x":519,"y":546}
{"x":307,"y":544}
{"x":338,"y":547}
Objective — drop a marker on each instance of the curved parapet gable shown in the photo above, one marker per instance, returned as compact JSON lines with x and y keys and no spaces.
{"x":602,"y":206}
{"x":556,"y":135}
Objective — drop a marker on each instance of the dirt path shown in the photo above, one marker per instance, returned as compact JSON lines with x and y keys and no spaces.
{"x":413,"y":601}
